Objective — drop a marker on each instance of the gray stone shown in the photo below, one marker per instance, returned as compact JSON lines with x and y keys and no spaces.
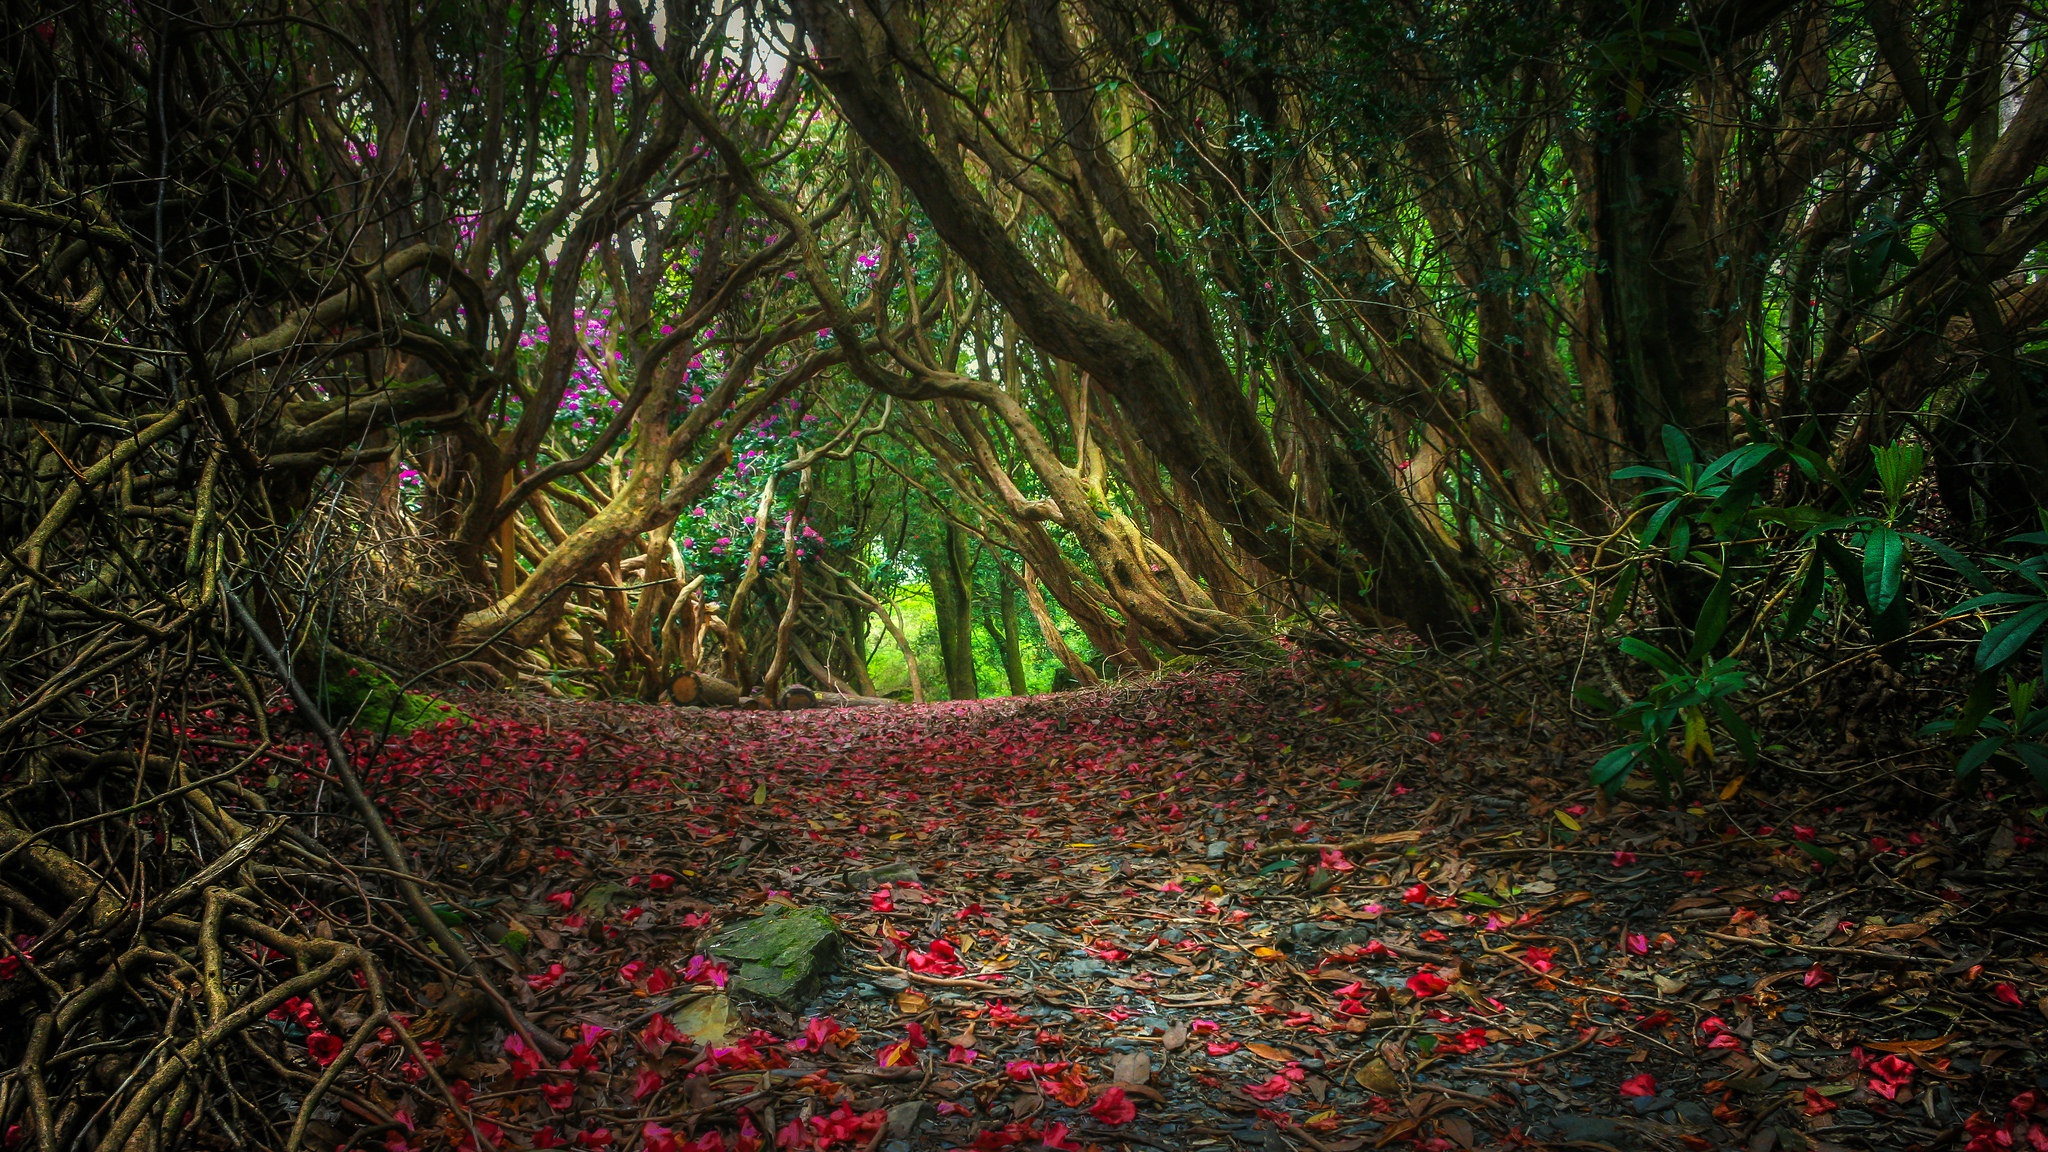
{"x":1693,"y":1114}
{"x":1043,"y":931}
{"x":783,"y":953}
{"x":906,"y":1118}
{"x":1218,"y":849}
{"x":894,"y":872}
{"x":1595,"y":1128}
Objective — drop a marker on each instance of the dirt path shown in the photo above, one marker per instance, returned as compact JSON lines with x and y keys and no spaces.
{"x":1076,"y":921}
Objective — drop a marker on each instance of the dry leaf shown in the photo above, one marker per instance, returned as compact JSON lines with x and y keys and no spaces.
{"x":1268,"y":1052}
{"x":1375,"y":1076}
{"x":1131,"y":1068}
{"x":1910,"y":1046}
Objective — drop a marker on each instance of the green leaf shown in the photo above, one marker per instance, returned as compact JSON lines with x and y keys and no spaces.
{"x":1954,"y":559}
{"x":1713,"y":621}
{"x":1739,"y":461}
{"x":1681,"y":540}
{"x":1994,"y":600}
{"x":1817,"y":852}
{"x":1613,"y":766}
{"x":1801,"y":518}
{"x":1623,"y":589}
{"x":2006,"y":640}
{"x":1594,"y":698}
{"x":1658,"y":519}
{"x":1745,"y":737}
{"x":1848,"y":569}
{"x":1809,"y":598}
{"x":1982,"y":750}
{"x":1884,"y":567}
{"x":1646,"y":472}
{"x":2035,"y":758}
{"x":1650,"y":654}
{"x":1899,"y":467}
{"x":1677,"y":448}
{"x":1977,"y":705}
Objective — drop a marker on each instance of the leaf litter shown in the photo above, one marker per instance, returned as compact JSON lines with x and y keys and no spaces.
{"x":1314,"y":908}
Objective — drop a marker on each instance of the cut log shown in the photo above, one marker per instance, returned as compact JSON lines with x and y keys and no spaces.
{"x":799,"y":696}
{"x":849,"y":700}
{"x":704,"y":690}
{"x":754,"y":702}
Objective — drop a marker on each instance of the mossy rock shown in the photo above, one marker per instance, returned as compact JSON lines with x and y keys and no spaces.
{"x":355,"y":690}
{"x":782,"y":954}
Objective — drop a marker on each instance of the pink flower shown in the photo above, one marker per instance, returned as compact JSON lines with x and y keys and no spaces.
{"x":1273,"y":1088}
{"x":1623,"y":858}
{"x":659,"y":1034}
{"x":1641,"y":1085}
{"x":1889,"y":1074}
{"x":1113,"y":1107}
{"x":323,"y":1047}
{"x":1427,"y":984}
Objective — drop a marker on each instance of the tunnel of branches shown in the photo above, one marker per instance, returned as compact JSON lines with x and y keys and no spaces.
{"x":927,"y":351}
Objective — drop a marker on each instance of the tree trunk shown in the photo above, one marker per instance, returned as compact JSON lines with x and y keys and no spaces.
{"x":1013,"y":648}
{"x":953,"y":603}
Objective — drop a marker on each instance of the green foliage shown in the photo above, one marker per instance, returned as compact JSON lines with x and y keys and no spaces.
{"x":1726,"y":521}
{"x":2020,"y":737}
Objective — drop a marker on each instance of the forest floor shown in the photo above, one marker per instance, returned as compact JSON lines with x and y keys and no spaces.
{"x":1220,"y":910}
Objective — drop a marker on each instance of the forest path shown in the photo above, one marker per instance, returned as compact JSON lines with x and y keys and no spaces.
{"x":1072,"y":920}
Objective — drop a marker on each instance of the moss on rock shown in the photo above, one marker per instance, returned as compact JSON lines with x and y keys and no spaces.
{"x":782,"y":954}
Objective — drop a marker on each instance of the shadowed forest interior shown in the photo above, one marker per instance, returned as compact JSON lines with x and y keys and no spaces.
{"x":506,"y":506}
